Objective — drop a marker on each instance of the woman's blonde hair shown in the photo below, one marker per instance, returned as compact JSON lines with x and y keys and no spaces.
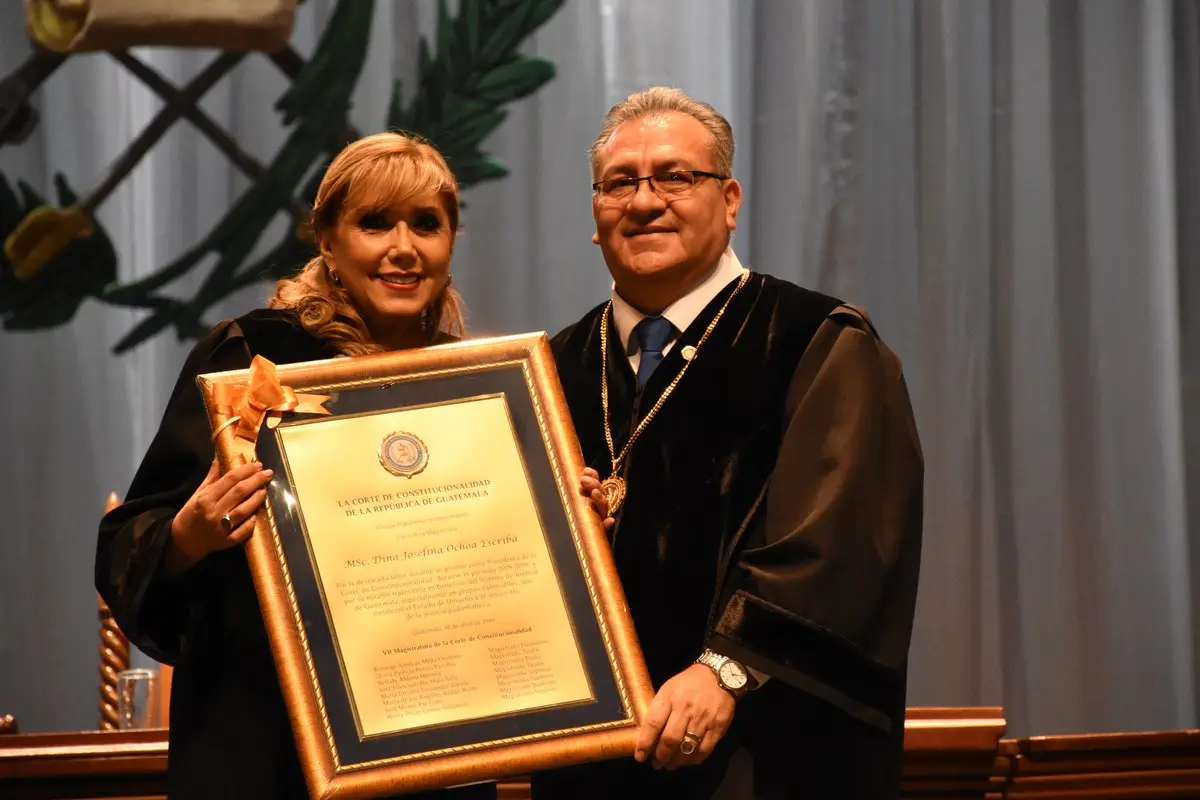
{"x":379,"y":170}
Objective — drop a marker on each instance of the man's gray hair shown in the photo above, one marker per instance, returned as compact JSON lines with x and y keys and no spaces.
{"x":662,"y":100}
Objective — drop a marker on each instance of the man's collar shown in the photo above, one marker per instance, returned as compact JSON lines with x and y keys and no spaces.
{"x":682,"y":312}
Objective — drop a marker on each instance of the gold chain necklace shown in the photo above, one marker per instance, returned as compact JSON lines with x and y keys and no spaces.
{"x":613,"y":486}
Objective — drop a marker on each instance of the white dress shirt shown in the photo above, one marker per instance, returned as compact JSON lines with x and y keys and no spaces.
{"x":681,"y":314}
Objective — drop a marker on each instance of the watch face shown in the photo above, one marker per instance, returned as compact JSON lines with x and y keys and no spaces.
{"x":732,"y":675}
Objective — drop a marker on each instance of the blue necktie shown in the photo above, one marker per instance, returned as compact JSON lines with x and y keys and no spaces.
{"x":652,"y":334}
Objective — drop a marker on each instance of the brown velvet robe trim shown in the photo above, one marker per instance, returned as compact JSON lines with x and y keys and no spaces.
{"x":825,"y":586}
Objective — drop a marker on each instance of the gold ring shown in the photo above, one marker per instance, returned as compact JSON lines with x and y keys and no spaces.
{"x":689,"y":744}
{"x":227,"y":523}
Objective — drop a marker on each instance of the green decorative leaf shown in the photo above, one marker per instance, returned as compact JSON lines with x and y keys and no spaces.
{"x":514,"y":80}
{"x":459,"y":111}
{"x":471,"y":132}
{"x":471,"y":14}
{"x":447,"y":52}
{"x":426,"y":67}
{"x":396,"y":114}
{"x":460,"y":94}
{"x":478,"y":169}
{"x":506,"y":35}
{"x":541,"y":11}
{"x":341,"y":44}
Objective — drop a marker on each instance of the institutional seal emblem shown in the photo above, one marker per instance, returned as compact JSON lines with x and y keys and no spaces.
{"x":403,"y":454}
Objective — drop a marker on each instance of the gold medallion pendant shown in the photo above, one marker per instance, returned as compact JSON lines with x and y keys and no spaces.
{"x":614,"y":485}
{"x":613,"y":488}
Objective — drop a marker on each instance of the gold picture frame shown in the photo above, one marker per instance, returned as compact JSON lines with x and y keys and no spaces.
{"x":484,"y":515}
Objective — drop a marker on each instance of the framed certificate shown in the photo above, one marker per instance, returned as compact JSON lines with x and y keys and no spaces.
{"x":441,"y":602}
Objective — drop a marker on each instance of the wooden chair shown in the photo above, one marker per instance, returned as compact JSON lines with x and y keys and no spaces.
{"x":114,"y":657}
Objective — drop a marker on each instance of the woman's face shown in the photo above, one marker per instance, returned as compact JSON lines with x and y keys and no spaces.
{"x":393,"y":263}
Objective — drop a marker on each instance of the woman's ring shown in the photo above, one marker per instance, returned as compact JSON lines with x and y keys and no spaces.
{"x":227,"y":523}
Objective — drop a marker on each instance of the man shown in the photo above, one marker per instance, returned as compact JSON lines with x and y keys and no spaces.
{"x":763,"y":469}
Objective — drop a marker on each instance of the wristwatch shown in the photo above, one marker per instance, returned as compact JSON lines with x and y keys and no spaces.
{"x":730,"y":674}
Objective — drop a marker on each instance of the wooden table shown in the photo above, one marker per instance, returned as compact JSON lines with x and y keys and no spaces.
{"x":86,"y":764}
{"x":1114,"y":766}
{"x":949,"y":753}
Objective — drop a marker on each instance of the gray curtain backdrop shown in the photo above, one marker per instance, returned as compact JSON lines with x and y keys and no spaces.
{"x":1005,"y":186}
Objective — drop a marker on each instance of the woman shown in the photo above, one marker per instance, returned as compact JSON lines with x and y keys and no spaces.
{"x":179,"y":586}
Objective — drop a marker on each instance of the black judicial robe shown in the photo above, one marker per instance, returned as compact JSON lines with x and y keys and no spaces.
{"x":230,"y":736}
{"x":774,"y":514}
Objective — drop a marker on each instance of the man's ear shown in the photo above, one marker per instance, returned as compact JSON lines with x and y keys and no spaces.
{"x":733,"y":203}
{"x":595,"y":213}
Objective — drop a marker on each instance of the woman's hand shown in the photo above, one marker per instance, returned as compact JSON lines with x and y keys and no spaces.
{"x":589,"y":487}
{"x":218,"y":515}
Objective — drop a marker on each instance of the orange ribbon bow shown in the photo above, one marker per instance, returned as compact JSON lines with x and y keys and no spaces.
{"x":263,"y":394}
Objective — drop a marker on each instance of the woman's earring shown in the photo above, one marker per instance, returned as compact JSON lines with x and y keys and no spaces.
{"x":333,"y":277}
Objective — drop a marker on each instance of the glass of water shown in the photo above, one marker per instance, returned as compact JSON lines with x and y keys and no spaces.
{"x":137,"y":700}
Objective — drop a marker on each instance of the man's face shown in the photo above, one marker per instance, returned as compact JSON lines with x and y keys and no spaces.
{"x":646,"y":239}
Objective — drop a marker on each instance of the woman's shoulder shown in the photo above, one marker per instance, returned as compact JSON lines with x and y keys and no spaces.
{"x":275,"y":334}
{"x":274,"y":327}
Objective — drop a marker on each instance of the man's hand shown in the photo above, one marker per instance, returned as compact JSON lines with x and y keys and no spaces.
{"x":691,"y":702}
{"x":589,"y":487}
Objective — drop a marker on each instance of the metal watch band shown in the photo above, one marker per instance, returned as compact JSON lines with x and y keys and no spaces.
{"x":715,"y":661}
{"x":712,"y":660}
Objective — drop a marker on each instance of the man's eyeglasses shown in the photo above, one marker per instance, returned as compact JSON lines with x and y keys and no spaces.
{"x":667,"y":185}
